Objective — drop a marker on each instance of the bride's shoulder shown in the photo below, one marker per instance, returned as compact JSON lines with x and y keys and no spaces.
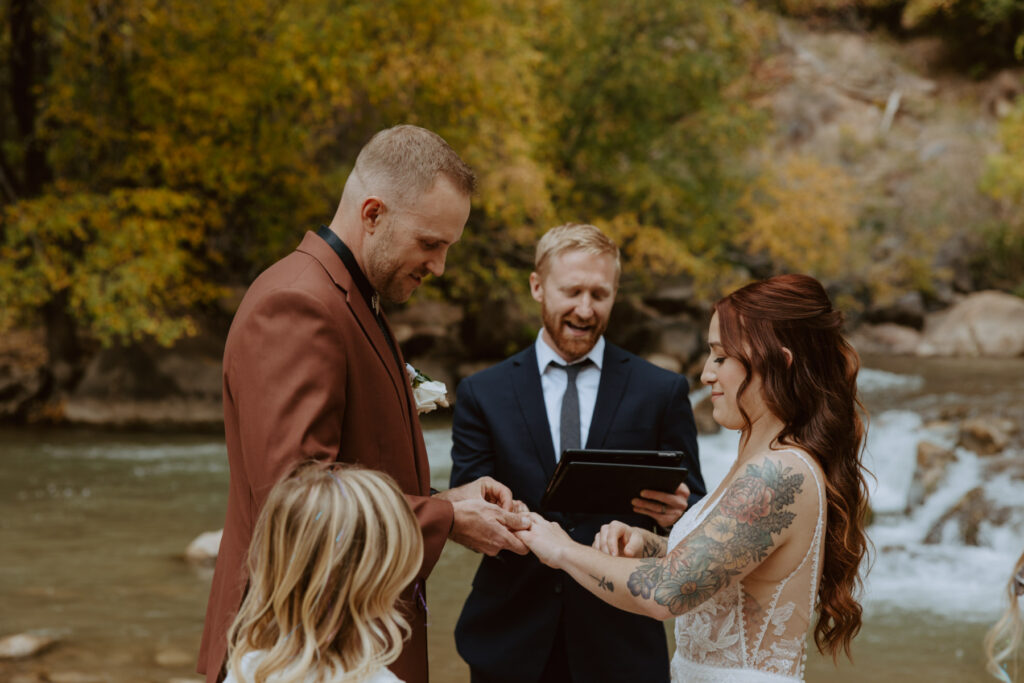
{"x":786,"y":464}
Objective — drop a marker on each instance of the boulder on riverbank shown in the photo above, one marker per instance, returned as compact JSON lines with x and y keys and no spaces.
{"x":933,"y":462}
{"x":886,"y":339}
{"x":986,"y":435}
{"x":986,"y":323}
{"x":963,"y":522}
{"x":203,"y":549}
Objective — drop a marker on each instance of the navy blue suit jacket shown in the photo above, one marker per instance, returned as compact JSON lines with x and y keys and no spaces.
{"x":500,"y":428}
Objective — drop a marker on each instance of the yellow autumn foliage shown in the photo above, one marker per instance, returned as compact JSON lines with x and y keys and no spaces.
{"x":801,"y":214}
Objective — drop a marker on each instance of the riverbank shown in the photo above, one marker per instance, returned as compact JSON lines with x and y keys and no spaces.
{"x":169,"y":389}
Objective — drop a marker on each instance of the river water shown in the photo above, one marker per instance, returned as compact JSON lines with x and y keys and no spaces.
{"x":93,"y":526}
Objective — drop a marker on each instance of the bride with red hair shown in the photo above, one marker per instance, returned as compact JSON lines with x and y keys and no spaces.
{"x":782,"y":537}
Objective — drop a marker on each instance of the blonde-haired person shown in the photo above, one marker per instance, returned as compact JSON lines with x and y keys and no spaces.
{"x":580,"y":237}
{"x":332,"y":550}
{"x":1003,"y":641}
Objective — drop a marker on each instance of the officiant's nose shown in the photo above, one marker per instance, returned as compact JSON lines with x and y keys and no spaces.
{"x":584,"y":308}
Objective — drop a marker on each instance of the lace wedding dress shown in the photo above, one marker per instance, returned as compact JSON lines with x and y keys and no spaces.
{"x":730,"y":638}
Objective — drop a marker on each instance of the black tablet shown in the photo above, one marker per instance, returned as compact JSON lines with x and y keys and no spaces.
{"x":606,"y":481}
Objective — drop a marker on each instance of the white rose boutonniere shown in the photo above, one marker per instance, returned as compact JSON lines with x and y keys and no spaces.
{"x":428,"y":393}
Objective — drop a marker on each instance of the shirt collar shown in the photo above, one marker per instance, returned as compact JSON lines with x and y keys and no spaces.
{"x":546,"y":354}
{"x":346,"y":256}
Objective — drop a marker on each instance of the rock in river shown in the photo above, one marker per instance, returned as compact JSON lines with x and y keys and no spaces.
{"x":203,"y":549}
{"x":23,"y":645}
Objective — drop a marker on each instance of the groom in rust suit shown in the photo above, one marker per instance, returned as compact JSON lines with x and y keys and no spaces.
{"x":312,"y":371}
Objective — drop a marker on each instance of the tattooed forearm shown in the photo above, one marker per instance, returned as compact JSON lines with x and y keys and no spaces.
{"x":736,"y":534}
{"x":604,"y":583}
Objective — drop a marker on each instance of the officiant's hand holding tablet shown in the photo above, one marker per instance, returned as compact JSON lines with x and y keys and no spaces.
{"x":608,"y":482}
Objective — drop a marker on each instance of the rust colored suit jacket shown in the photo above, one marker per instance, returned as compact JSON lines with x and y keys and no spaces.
{"x":309,"y":374}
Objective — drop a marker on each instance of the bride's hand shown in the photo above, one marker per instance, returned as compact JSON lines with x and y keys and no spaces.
{"x":546,"y":540}
{"x":618,"y":539}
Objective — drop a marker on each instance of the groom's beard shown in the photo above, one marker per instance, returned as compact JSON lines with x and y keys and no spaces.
{"x":393,"y":279}
{"x":573,"y":337}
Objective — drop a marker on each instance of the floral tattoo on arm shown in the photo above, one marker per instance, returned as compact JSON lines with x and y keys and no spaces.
{"x":738,"y":532}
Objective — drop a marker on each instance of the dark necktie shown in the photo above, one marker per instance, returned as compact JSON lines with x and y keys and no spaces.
{"x":569,"y":423}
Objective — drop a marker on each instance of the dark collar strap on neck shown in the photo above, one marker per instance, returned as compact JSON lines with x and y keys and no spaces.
{"x":345,"y":254}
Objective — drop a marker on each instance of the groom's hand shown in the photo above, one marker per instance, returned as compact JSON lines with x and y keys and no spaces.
{"x":485,"y":488}
{"x":486,"y":528}
{"x":485,"y":517}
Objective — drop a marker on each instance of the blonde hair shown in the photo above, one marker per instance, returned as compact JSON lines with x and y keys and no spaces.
{"x":574,"y":237}
{"x":333,"y":549}
{"x":1006,"y":635}
{"x":403,"y":162}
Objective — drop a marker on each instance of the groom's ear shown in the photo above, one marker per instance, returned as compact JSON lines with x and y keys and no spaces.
{"x":371,"y":212}
{"x":789,"y":356}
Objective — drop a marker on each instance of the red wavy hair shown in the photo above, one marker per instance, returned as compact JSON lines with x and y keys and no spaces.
{"x":815,"y":396}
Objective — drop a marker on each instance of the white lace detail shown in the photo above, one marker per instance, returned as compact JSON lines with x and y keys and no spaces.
{"x":712,"y":640}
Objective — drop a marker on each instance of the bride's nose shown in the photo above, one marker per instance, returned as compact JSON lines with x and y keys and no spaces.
{"x":708,"y":375}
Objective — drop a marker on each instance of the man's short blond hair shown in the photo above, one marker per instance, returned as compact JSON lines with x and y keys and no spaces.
{"x":403,"y":162}
{"x":574,"y":237}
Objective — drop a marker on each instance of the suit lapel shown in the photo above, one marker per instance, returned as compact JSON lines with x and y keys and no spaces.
{"x":412,"y":415}
{"x":322,"y":252}
{"x":614,"y":378}
{"x":530,"y":396}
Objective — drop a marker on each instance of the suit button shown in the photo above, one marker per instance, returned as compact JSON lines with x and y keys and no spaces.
{"x":558,"y":588}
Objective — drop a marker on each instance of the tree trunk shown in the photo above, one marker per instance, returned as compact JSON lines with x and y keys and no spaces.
{"x":27,"y":68}
{"x":62,"y":344}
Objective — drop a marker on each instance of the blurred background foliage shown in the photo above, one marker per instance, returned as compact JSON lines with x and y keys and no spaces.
{"x":156,"y":154}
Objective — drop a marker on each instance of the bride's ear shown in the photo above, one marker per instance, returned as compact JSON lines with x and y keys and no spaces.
{"x":789,"y":356}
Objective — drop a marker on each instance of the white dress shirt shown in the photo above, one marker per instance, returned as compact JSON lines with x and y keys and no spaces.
{"x":553,"y":382}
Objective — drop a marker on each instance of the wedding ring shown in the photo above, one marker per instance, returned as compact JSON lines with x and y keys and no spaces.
{"x":662,"y":508}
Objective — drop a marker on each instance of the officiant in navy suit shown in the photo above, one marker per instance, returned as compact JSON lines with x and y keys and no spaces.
{"x":524,"y":622}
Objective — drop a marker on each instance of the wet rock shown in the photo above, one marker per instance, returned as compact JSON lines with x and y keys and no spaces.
{"x":202,"y":551}
{"x":933,"y":461}
{"x":886,"y":338}
{"x":172,"y":658}
{"x":986,"y":435}
{"x":702,"y":416}
{"x":944,"y":429}
{"x":679,"y":339}
{"x":967,"y":516}
{"x":987,"y":324}
{"x":907,"y":310}
{"x":148,"y":385}
{"x":676,"y":296}
{"x":424,"y":326}
{"x":23,"y":645}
